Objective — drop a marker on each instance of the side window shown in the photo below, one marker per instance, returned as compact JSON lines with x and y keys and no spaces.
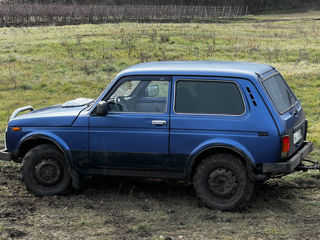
{"x":140,"y":96}
{"x":162,"y":86}
{"x":125,"y":89}
{"x":208,"y":97}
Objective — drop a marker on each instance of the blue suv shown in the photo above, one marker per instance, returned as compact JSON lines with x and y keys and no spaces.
{"x":223,"y":125}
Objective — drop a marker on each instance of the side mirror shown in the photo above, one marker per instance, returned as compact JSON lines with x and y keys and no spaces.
{"x":102,"y":108}
{"x":152,"y":91}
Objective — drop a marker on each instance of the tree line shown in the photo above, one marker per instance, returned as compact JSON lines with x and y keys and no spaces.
{"x":137,"y":2}
{"x":27,"y":14}
{"x":253,"y":6}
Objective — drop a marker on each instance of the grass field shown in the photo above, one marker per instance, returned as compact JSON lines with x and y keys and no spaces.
{"x":42,"y":66}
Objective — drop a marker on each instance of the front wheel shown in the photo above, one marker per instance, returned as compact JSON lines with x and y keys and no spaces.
{"x":45,"y":171}
{"x":221,"y":181}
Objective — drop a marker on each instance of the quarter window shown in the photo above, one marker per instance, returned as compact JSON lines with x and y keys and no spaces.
{"x":208,"y":97}
{"x":280,"y":93}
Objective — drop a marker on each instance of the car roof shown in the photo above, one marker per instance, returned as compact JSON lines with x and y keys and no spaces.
{"x":199,"y":68}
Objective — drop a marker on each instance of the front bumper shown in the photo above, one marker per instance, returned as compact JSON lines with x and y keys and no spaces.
{"x":290,"y":165}
{"x":5,"y":155}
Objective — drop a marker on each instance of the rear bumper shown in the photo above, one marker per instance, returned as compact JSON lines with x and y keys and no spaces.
{"x":5,"y":155}
{"x":291,"y":164}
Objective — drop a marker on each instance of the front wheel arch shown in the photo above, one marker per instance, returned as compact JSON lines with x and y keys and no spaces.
{"x":27,"y":144}
{"x":35,"y":140}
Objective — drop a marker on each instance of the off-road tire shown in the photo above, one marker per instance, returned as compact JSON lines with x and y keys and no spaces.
{"x":223,"y":171}
{"x":30,"y":171}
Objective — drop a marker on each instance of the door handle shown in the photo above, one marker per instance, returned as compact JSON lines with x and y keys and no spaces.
{"x":159,"y":123}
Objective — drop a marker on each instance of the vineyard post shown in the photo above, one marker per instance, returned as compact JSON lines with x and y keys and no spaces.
{"x":153,"y":14}
{"x":7,"y":17}
{"x":175,"y":14}
{"x":49,"y":16}
{"x":29,"y":16}
{"x":185,"y":12}
{"x":193,"y":12}
{"x":114,"y":12}
{"x":89,"y":16}
{"x":123,"y":13}
{"x":196,"y":12}
{"x":139,"y":14}
{"x":71,"y":16}
{"x":107,"y":15}
{"x":2,"y":18}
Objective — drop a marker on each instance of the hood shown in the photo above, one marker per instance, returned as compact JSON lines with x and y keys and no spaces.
{"x":55,"y":116}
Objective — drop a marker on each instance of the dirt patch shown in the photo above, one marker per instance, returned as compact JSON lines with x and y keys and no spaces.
{"x":126,"y":208}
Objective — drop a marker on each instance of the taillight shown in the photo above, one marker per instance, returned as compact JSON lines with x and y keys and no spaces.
{"x":285,"y":146}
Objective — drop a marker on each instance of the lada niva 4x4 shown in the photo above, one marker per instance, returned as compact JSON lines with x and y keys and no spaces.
{"x":222,"y":125}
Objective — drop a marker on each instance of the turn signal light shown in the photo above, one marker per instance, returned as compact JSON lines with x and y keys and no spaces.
{"x":285,"y":145}
{"x":16,"y":129}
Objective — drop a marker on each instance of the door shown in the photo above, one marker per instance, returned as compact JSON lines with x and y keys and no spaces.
{"x":135,"y":131}
{"x":289,"y":110}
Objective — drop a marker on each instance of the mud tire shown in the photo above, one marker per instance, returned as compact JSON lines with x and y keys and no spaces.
{"x":221,"y":181}
{"x":45,"y":171}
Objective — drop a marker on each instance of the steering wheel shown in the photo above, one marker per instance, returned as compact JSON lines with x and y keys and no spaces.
{"x":121,"y":103}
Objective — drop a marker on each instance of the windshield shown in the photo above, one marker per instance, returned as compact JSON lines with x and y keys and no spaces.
{"x":280,"y":93}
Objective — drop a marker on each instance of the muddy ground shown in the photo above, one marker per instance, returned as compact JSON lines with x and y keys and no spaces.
{"x":125,"y":208}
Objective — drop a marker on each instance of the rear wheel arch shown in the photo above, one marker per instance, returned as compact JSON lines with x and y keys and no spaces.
{"x":196,"y":160}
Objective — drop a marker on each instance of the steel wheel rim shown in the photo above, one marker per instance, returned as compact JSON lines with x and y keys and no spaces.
{"x":223,"y":183}
{"x":48,"y":172}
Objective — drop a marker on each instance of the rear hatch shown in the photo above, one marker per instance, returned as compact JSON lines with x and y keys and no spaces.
{"x":290,"y":111}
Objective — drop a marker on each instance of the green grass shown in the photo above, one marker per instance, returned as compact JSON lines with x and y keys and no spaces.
{"x":142,"y":227}
{"x":42,"y":66}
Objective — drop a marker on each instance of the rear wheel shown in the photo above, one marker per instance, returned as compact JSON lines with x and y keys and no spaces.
{"x":221,"y":181}
{"x":45,"y":171}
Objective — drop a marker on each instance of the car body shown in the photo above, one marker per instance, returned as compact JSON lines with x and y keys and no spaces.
{"x":161,"y":119}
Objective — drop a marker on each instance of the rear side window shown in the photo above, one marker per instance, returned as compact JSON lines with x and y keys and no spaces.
{"x":279,"y":93}
{"x":208,"y":97}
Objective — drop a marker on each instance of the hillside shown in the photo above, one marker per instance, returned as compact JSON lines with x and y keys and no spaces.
{"x":42,"y":66}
